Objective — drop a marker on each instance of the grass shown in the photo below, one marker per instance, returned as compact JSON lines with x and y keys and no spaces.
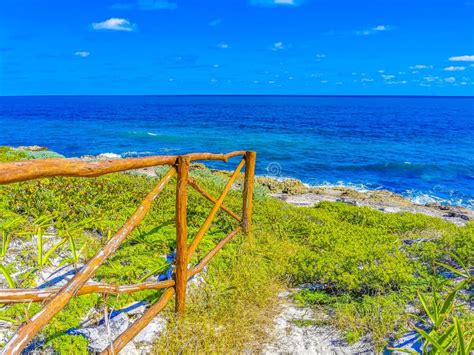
{"x":366,"y":271}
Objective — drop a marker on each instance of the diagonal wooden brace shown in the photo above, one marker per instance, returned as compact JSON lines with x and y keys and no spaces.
{"x":206,"y":195}
{"x":207,"y":223}
{"x":29,"y":329}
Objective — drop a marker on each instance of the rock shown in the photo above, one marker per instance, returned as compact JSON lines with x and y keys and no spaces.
{"x":108,"y":156}
{"x":285,"y":186}
{"x":418,"y":240}
{"x":99,"y":336}
{"x":33,"y":148}
{"x":457,"y":215}
{"x":130,"y":349}
{"x":391,"y":209}
{"x":312,"y":286}
{"x":349,"y":201}
{"x":149,"y":334}
{"x":88,"y":157}
{"x":136,"y":310}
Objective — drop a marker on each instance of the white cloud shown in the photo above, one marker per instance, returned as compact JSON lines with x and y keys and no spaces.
{"x":320,"y":55}
{"x":431,"y":78}
{"x":278,"y":46}
{"x":388,"y":77}
{"x":462,"y":58}
{"x":215,"y":22}
{"x":223,"y":45}
{"x":273,"y":3}
{"x":381,"y":71}
{"x":82,"y":54}
{"x":366,"y":80}
{"x":421,"y":66}
{"x":451,"y":68}
{"x":114,"y":24}
{"x":450,"y":79}
{"x":374,"y":30}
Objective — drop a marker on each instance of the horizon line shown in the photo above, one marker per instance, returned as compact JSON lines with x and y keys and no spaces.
{"x":246,"y":95}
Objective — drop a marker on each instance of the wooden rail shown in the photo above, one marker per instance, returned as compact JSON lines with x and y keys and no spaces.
{"x":58,"y":298}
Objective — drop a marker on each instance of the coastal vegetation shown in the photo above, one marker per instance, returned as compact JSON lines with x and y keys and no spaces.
{"x":369,"y":271}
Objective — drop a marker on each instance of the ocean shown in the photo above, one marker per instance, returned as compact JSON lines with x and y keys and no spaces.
{"x":420,"y":147}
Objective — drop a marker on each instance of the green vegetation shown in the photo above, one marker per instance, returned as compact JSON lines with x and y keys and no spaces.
{"x":448,"y":331}
{"x":366,"y":267}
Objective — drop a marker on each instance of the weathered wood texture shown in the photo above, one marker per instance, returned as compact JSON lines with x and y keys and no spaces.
{"x":204,"y":193}
{"x":29,"y":329}
{"x":18,"y":295}
{"x":41,"y":168}
{"x":207,"y":223}
{"x":151,"y":313}
{"x":140,"y":323}
{"x":181,"y":233}
{"x":59,"y":297}
{"x":204,"y":261}
{"x":250,"y":158}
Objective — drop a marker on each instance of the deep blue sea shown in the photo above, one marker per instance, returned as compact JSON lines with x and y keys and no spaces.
{"x":420,"y":147}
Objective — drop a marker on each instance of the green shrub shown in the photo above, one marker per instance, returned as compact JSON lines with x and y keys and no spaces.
{"x":367,"y":263}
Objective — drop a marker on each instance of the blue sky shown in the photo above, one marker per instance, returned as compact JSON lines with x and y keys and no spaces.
{"x":397,"y":47}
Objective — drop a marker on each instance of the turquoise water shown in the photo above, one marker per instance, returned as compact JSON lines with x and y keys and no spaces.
{"x":421,"y":147}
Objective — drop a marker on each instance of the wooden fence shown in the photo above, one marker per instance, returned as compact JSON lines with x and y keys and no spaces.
{"x":58,"y":298}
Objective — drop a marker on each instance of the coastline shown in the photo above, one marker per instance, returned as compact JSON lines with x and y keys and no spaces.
{"x":296,"y":323}
{"x":296,"y":192}
{"x":382,"y":200}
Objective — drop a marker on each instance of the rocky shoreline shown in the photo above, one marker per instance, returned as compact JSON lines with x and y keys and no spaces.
{"x":381,"y":200}
{"x":290,"y":337}
{"x":297,"y":193}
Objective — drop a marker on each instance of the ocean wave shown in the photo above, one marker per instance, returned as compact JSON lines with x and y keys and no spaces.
{"x":152,"y":134}
{"x":415,"y":196}
{"x":136,"y":154}
{"x":423,"y":198}
{"x":355,"y":186}
{"x":110,"y":155}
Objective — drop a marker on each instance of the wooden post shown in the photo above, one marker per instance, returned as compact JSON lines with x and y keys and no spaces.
{"x":181,"y":234}
{"x":250,"y":158}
